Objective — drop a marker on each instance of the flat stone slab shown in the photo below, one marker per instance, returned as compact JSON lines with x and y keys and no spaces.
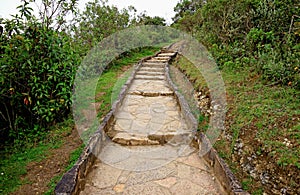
{"x":188,"y":175}
{"x":133,"y":139}
{"x":150,"y":77}
{"x":150,"y":86}
{"x":149,"y":113}
{"x":153,"y":64}
{"x":153,"y":60}
{"x":148,"y":119}
{"x":152,"y":69}
{"x":162,"y":57}
{"x":141,"y":158}
{"x":166,"y":54}
{"x":150,"y":73}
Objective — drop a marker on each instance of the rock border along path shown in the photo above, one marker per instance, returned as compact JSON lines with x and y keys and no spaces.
{"x":148,"y":126}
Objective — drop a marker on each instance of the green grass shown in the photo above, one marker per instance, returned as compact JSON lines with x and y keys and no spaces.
{"x":192,"y":72}
{"x":15,"y":159}
{"x":246,"y":183}
{"x":73,"y":159}
{"x":14,"y":166}
{"x":271,"y":110}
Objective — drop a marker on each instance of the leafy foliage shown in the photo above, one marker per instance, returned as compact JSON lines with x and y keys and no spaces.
{"x":53,"y":13}
{"x":260,"y":34}
{"x":143,"y":19}
{"x":186,"y":7}
{"x":37,"y":68}
{"x":96,"y":22}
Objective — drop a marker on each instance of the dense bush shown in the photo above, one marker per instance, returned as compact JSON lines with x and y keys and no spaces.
{"x":261,"y":34}
{"x":37,"y":67}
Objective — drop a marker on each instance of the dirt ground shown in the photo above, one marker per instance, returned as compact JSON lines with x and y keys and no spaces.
{"x":39,"y":174}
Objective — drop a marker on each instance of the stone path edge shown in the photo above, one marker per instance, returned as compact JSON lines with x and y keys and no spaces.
{"x":184,"y":106}
{"x":220,"y":169}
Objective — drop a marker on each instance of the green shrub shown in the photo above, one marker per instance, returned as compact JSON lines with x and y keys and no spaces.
{"x":37,"y":69}
{"x":274,"y":15}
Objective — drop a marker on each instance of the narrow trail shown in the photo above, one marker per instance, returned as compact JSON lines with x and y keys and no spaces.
{"x":151,"y":150}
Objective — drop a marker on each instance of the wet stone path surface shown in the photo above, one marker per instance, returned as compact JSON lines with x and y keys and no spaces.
{"x":150,"y":152}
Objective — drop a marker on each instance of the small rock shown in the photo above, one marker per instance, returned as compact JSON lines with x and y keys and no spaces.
{"x":119,"y":188}
{"x":253,"y":174}
{"x":216,"y":107}
{"x":283,"y":191}
{"x":202,"y":97}
{"x":264,"y":177}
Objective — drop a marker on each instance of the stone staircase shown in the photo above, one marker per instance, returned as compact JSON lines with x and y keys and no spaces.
{"x":145,"y":145}
{"x":150,"y":152}
{"x":150,"y":114}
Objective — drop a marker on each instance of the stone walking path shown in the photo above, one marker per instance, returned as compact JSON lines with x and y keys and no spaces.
{"x":185,"y":176}
{"x":150,"y":152}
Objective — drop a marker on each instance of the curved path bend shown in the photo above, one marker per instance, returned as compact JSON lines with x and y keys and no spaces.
{"x":151,"y":151}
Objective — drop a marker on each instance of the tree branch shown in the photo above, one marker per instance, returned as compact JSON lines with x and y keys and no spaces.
{"x":292,"y":22}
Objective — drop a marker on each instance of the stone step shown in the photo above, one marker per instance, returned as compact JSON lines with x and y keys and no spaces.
{"x":151,"y":93}
{"x":134,"y":139}
{"x":150,"y":87}
{"x":166,"y":54}
{"x":157,"y":60}
{"x":149,"y":77}
{"x":130,"y":139}
{"x":150,"y":73}
{"x":152,"y":69}
{"x":173,"y":138}
{"x":162,"y":58}
{"x":156,"y":65}
{"x":153,"y":169}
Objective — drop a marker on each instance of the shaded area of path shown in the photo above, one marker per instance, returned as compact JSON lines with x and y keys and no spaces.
{"x":151,"y":151}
